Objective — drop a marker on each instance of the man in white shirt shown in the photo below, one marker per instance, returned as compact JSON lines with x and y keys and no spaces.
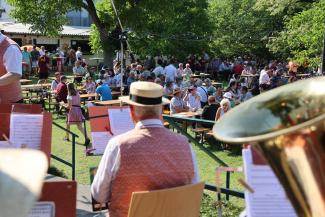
{"x":170,"y":71}
{"x":10,"y":71}
{"x":79,"y":54}
{"x":177,"y":104}
{"x":159,"y":70}
{"x":203,"y":92}
{"x":42,"y":51}
{"x":143,"y":158}
{"x":265,"y":79}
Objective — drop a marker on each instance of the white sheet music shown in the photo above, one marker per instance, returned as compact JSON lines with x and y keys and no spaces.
{"x":99,"y":141}
{"x":26,"y":129}
{"x":42,"y":209}
{"x":269,"y":198}
{"x":120,"y":120}
{"x":5,"y":144}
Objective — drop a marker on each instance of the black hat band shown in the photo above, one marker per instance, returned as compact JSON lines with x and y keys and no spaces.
{"x":146,"y":100}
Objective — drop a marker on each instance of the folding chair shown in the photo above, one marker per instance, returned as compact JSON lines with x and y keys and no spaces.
{"x":184,"y":201}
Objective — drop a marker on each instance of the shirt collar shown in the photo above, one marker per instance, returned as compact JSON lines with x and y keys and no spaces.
{"x":148,"y":123}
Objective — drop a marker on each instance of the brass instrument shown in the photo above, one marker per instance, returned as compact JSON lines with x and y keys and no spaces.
{"x":287,"y":125}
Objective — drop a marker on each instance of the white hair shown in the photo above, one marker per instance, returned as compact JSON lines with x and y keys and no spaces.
{"x":224,"y":102}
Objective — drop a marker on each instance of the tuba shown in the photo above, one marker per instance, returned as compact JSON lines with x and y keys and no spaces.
{"x":287,"y":126}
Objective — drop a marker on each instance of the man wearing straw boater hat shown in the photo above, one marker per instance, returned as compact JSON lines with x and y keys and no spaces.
{"x":149,"y":157}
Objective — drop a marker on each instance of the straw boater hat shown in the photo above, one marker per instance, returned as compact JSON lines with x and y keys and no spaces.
{"x":146,"y":94}
{"x":176,"y":90}
{"x":22,"y":173}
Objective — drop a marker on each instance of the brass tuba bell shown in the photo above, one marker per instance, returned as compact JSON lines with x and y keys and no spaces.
{"x":287,"y":125}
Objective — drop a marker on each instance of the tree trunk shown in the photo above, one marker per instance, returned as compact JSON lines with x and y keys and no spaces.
{"x":106,"y":41}
{"x":108,"y":50}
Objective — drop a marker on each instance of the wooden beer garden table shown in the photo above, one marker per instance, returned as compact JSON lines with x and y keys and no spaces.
{"x":35,"y":86}
{"x":217,"y":84}
{"x":247,"y":76}
{"x":24,"y":81}
{"x":302,"y":75}
{"x":84,"y":97}
{"x":108,"y":102}
{"x":188,"y":114}
{"x":195,"y":76}
{"x":87,"y":95}
{"x":204,"y":75}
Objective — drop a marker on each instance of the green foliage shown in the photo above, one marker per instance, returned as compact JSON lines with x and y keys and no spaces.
{"x":46,"y":16}
{"x":240,"y":30}
{"x":283,"y":8}
{"x":259,"y":28}
{"x":164,"y":27}
{"x":172,"y":27}
{"x":302,"y":37}
{"x":209,"y":207}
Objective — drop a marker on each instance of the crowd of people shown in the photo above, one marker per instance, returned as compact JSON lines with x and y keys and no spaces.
{"x":149,"y":157}
{"x":190,"y":92}
{"x":40,"y":62}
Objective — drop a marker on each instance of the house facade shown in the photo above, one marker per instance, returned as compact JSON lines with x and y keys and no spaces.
{"x":74,"y":35}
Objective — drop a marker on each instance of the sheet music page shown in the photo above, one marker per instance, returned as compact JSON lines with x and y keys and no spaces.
{"x":120,"y":120}
{"x":99,"y":141}
{"x":26,"y":129}
{"x":42,"y":209}
{"x":269,"y":198}
{"x":5,"y":144}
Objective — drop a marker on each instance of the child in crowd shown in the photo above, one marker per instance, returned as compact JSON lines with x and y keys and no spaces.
{"x":75,"y":114}
{"x":89,"y":85}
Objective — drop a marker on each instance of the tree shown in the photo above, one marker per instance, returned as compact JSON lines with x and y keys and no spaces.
{"x":240,"y":29}
{"x":302,"y":37}
{"x":283,"y":8}
{"x":173,"y":27}
{"x":152,"y":23}
{"x":48,"y":16}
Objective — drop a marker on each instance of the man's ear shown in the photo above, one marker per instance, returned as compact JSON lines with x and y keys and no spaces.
{"x":133,"y":116}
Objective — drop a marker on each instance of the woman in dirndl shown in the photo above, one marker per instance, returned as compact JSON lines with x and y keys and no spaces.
{"x":75,"y":115}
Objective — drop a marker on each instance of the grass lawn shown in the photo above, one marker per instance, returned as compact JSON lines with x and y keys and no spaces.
{"x":207,"y":166}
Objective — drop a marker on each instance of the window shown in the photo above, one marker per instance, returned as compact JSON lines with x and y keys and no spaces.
{"x":84,"y":44}
{"x":19,"y":41}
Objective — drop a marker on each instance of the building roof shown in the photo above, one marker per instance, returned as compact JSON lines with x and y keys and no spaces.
{"x":19,"y":28}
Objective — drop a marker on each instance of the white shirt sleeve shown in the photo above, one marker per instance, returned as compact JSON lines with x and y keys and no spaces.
{"x":12,"y":60}
{"x":54,"y":85}
{"x":107,"y":169}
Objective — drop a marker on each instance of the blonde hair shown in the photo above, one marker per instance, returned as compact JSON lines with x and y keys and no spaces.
{"x":224,"y":102}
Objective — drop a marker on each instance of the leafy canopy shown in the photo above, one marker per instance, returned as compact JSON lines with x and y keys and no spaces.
{"x":167,"y":27}
{"x":302,"y":36}
{"x":46,"y":16}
